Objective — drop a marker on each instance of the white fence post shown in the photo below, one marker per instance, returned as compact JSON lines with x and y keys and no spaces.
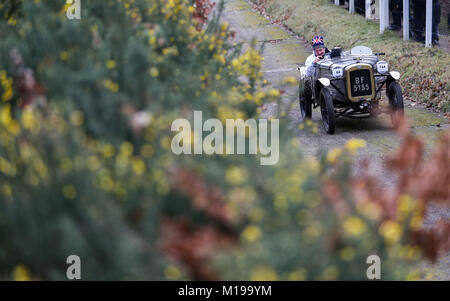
{"x":406,"y":20}
{"x":351,"y":6}
{"x":429,"y":22}
{"x":367,"y":9}
{"x":336,"y":2}
{"x":382,"y":9}
{"x":386,"y":11}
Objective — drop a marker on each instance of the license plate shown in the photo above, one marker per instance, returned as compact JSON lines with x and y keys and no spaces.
{"x":360,"y":83}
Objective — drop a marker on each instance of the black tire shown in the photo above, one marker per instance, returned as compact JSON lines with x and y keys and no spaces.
{"x":327,"y":110}
{"x":395,"y":96}
{"x":305,"y":100}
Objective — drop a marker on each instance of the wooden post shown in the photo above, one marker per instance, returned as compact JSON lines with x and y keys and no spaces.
{"x":428,"y":23}
{"x":367,"y":9}
{"x":405,"y":20}
{"x":351,"y":6}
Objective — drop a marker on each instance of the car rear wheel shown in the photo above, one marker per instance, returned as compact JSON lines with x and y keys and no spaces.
{"x":395,"y":96}
{"x":304,"y":96}
{"x":327,"y":110}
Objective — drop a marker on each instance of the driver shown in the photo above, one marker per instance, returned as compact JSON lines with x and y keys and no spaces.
{"x":305,"y":88}
{"x":319,"y":51}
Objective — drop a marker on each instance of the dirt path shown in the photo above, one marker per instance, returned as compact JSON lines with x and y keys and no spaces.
{"x":283,"y":53}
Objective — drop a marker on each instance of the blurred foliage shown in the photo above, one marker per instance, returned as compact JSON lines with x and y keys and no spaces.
{"x":86,"y":166}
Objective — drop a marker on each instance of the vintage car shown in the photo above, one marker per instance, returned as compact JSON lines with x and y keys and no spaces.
{"x":349,"y":84}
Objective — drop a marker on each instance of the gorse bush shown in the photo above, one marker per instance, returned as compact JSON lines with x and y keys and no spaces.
{"x":86,"y":166}
{"x":86,"y":114}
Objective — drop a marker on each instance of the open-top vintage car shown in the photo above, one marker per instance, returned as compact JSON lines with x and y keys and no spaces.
{"x":349,"y":84}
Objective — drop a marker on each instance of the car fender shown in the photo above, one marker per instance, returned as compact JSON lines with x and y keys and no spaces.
{"x":324,"y":81}
{"x":395,"y":75}
{"x":302,"y":72}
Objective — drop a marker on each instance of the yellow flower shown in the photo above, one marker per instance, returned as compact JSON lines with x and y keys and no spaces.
{"x":236,"y":175}
{"x":7,"y":84}
{"x":108,"y":151}
{"x":354,"y":144}
{"x":126,"y":148}
{"x":12,"y":21}
{"x":411,"y":252}
{"x":172,"y":272}
{"x":110,"y":85}
{"x":224,"y":26}
{"x":290,"y":80}
{"x":107,"y":183}
{"x":14,"y":127}
{"x":5,"y":115}
{"x":263,"y":273}
{"x":413,"y":276}
{"x":370,"y":210}
{"x":408,"y":206}
{"x":69,"y":192}
{"x":235,"y":63}
{"x":391,"y":231}
{"x":21,"y":273}
{"x":274,"y":92}
{"x":333,"y":155}
{"x":7,"y":95}
{"x":138,"y":166}
{"x":313,"y":164}
{"x":154,"y":72}
{"x":299,"y":275}
{"x":313,"y":230}
{"x":28,"y":119}
{"x":331,"y":273}
{"x":64,"y":55}
{"x":111,"y":64}
{"x":354,"y":226}
{"x":252,"y":234}
{"x":77,"y":118}
{"x":220,"y":58}
{"x":416,"y":222}
{"x":258,"y":97}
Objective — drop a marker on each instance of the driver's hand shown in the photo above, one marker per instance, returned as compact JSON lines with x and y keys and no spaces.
{"x":317,"y":59}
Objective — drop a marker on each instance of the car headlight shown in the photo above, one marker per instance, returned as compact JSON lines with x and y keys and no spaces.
{"x":337,"y":72}
{"x":382,"y":67}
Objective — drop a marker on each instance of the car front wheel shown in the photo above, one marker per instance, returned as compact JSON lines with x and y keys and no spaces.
{"x":305,"y":100}
{"x":327,"y":110}
{"x":395,"y":96}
